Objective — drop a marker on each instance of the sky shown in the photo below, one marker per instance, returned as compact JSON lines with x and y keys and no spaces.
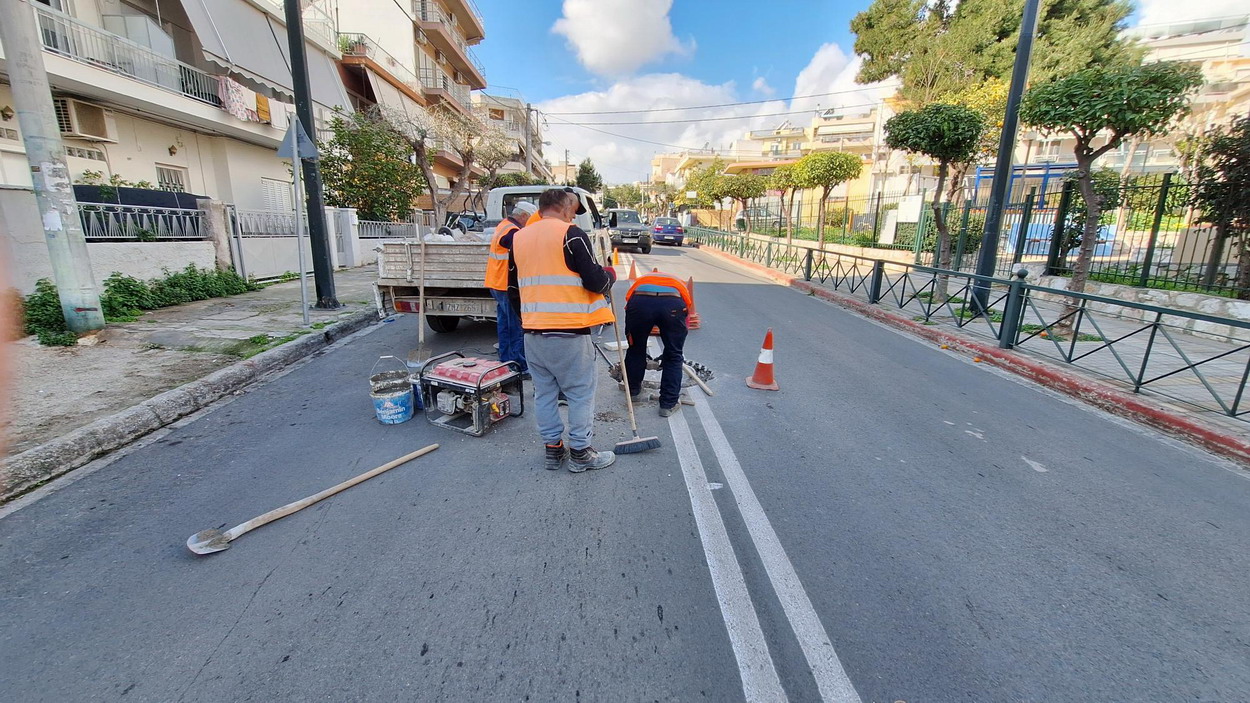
{"x":598,"y":56}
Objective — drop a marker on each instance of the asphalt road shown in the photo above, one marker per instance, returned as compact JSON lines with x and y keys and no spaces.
{"x":895,"y":524}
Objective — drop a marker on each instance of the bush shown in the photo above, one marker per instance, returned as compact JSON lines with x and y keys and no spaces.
{"x":124,"y":298}
{"x":42,"y":316}
{"x":863,"y":238}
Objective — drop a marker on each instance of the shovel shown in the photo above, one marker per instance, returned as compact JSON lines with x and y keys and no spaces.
{"x":210,"y":541}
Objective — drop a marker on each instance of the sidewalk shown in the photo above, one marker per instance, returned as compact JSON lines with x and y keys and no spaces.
{"x":59,"y":389}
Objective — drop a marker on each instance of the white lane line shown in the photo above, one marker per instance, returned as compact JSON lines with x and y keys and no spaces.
{"x":831,"y":678}
{"x":760,"y":681}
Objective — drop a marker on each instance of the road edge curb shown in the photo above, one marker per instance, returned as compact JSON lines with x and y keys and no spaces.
{"x":25,"y":471}
{"x":1100,"y":395}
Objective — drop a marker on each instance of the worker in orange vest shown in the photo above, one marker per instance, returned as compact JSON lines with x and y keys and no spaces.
{"x":507,"y":317}
{"x":559,"y":289}
{"x":657,"y":300}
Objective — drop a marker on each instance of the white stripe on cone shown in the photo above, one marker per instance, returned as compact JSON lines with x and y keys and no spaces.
{"x":766,"y":356}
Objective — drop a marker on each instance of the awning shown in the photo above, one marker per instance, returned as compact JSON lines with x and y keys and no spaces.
{"x":242,"y":38}
{"x":390,"y":97}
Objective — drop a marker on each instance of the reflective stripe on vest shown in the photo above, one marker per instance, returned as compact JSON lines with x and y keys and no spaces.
{"x":497,"y":264}
{"x":662,"y":280}
{"x":552,"y":296}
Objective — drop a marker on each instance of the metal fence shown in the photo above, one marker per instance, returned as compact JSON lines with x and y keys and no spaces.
{"x":264,"y":223}
{"x":1147,"y":236}
{"x":373,"y":229}
{"x":109,"y":223}
{"x":1200,"y":360}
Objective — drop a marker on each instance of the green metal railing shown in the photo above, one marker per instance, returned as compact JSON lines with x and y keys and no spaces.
{"x":1198,"y":359}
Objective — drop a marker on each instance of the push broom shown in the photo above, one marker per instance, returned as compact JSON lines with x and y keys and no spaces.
{"x":637,"y":444}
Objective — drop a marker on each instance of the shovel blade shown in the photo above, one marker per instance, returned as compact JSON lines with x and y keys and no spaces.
{"x":207,"y":542}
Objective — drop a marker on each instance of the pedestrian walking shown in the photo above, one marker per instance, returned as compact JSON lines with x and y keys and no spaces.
{"x":559,"y":288}
{"x":657,"y":301}
{"x":507,"y":317}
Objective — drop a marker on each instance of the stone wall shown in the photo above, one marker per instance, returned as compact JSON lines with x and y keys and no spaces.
{"x":1214,"y":305}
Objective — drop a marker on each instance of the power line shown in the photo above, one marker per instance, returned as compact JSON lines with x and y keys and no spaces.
{"x":731,"y":117}
{"x":704,"y":107}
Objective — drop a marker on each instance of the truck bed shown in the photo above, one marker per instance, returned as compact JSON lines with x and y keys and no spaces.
{"x":447,"y":264}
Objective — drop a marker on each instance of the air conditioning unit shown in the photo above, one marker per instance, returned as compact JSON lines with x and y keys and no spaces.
{"x":438,"y":56}
{"x":458,"y":77}
{"x":421,"y":38}
{"x":84,"y":120}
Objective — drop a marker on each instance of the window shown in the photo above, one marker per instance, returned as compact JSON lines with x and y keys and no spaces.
{"x":496,"y":114}
{"x":171,"y":178}
{"x":276,"y":195}
{"x":6,"y":133}
{"x":79,"y":152}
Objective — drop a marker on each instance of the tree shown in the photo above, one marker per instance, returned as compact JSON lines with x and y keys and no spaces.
{"x":1109,"y":104}
{"x":429,"y":131}
{"x":704,"y":182}
{"x":663,"y":195}
{"x":367,"y":167}
{"x":948,"y":134}
{"x":935,"y":52}
{"x":989,"y":99}
{"x":495,"y":150}
{"x":1220,"y":199}
{"x":826,"y":170}
{"x":588,"y":178}
{"x":627,"y":195}
{"x":743,"y":188}
{"x":782,"y":181}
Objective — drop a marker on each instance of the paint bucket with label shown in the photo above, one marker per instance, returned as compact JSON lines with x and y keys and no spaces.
{"x":391,"y":392}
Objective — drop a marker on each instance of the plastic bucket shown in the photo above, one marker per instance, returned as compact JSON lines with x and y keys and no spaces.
{"x":393,"y":407}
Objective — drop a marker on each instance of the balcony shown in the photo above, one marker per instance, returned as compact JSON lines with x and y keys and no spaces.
{"x":318,"y":24}
{"x":65,"y":36}
{"x":361,"y":50}
{"x":467,"y":9}
{"x":438,"y":83}
{"x":786,"y":132}
{"x":443,"y":32}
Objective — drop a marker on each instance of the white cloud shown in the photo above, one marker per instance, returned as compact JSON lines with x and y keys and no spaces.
{"x":1166,"y":11}
{"x":617,"y":37}
{"x":761,"y":86}
{"x":622,"y":160}
{"x":831,"y":70}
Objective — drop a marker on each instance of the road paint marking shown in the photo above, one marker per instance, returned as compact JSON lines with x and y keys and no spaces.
{"x":760,"y":681}
{"x":1036,"y":466}
{"x":831,"y":678}
{"x":949,"y":423}
{"x":715,"y":486}
{"x":978,"y":435}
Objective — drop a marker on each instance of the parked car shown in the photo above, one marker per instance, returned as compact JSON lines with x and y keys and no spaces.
{"x":668,"y":230}
{"x":627,"y":230}
{"x":762,"y":220}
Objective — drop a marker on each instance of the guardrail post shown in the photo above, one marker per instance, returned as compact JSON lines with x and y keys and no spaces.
{"x":1057,"y":234}
{"x":768,"y":256}
{"x":1014,"y":311}
{"x":1026,"y":218}
{"x":1160,"y":207}
{"x":807,"y":266}
{"x":874,"y":284}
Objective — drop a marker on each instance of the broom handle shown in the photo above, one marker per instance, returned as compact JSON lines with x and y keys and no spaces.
{"x":620,"y":351}
{"x":278,"y":513}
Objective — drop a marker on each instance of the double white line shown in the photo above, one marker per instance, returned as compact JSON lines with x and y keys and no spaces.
{"x":760,"y":681}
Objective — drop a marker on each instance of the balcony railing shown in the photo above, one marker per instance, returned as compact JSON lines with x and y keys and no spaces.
{"x":318,"y":24}
{"x":103,"y":222}
{"x":361,"y":45}
{"x":66,"y":36}
{"x":437,"y":79}
{"x":430,"y":11}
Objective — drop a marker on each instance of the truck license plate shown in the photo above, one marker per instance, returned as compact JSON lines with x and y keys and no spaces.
{"x":454,"y":306}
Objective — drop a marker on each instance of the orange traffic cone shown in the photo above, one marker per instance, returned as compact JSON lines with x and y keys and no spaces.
{"x":616,"y":259}
{"x":692,"y":322}
{"x":655,"y":270}
{"x":763,"y":377}
{"x":633,"y":271}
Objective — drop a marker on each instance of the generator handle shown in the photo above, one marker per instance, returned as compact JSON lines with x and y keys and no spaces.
{"x":514,"y":365}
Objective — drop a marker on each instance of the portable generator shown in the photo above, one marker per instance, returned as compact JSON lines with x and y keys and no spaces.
{"x":469,"y":395}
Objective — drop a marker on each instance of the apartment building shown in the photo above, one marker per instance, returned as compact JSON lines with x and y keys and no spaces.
{"x":509,"y":115}
{"x":413,"y":55}
{"x":155,"y":92}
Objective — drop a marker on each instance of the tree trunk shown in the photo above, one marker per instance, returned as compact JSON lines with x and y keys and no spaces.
{"x":1216,"y":256}
{"x":462,"y":184}
{"x":746,"y":213}
{"x":944,"y":240}
{"x":820,"y":218}
{"x":789,"y":215}
{"x":431,"y":185}
{"x":1089,"y":237}
{"x":1243,"y":267}
{"x":1123,"y":210}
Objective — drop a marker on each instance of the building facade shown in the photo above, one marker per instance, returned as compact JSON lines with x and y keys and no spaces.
{"x":508,"y":114}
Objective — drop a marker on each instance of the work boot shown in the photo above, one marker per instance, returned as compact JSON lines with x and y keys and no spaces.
{"x":588,"y":458}
{"x":665,"y":412}
{"x":556,"y":454}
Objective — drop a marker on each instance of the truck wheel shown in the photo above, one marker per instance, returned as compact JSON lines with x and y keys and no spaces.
{"x":443,"y":323}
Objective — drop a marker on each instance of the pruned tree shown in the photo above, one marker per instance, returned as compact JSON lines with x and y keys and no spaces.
{"x":366,"y":166}
{"x":588,"y":178}
{"x":989,"y":99}
{"x":495,"y":150}
{"x":1106,"y":106}
{"x":782,"y":181}
{"x":1220,"y":197}
{"x":826,"y":170}
{"x":948,"y":134}
{"x":626,"y":195}
{"x":663,"y":195}
{"x":429,"y":131}
{"x":743,"y":188}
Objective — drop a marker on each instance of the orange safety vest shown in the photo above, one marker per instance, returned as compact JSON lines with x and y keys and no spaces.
{"x":552,"y":296}
{"x":497,"y":264}
{"x":534,"y":217}
{"x":665,"y":280}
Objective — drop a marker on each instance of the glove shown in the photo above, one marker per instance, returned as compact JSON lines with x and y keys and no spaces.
{"x":611,"y":272}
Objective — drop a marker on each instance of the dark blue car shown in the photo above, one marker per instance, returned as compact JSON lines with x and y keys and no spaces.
{"x":668,"y":230}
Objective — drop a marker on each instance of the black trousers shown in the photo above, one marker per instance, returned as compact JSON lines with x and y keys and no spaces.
{"x":642,"y":314}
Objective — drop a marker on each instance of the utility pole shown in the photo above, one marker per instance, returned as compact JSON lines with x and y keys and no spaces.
{"x":54,"y":192}
{"x":566,"y":167}
{"x":1003,"y":171}
{"x":529,"y":158}
{"x":323,"y":267}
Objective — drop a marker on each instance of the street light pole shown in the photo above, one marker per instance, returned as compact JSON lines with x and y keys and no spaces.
{"x":1003,"y":171}
{"x":54,"y":192}
{"x":323,"y":266}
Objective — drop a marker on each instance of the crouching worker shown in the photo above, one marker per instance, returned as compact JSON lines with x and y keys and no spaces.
{"x":657,"y":300}
{"x":559,"y":289}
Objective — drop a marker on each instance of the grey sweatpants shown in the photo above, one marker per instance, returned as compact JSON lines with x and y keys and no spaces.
{"x":563,"y":364}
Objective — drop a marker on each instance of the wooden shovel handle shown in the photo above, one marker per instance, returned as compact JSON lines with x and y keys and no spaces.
{"x":690,"y":372}
{"x":278,"y":513}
